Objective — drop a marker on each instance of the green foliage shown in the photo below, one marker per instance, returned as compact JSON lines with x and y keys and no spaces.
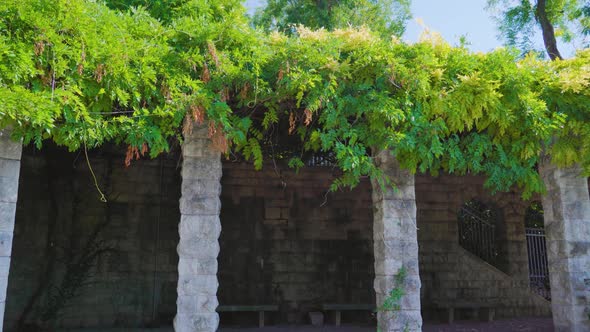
{"x":83,"y":73}
{"x":518,"y":22}
{"x":392,"y":301}
{"x":387,"y":17}
{"x":534,"y":215}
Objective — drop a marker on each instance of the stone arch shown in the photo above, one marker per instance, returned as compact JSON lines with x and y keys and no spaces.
{"x":533,"y":215}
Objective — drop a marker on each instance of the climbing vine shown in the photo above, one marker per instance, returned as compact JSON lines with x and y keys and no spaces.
{"x":82,"y":73}
{"x":394,"y":297}
{"x":392,"y":301}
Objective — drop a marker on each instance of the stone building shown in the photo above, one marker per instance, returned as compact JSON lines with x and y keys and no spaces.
{"x":246,"y":237}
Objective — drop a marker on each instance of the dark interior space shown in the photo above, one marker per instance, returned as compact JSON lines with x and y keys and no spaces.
{"x":287,"y":241}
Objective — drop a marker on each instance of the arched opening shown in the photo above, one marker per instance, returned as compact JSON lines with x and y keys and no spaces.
{"x":537,"y":250}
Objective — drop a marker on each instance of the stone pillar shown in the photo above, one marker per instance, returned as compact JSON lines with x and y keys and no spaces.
{"x":10,"y":154}
{"x":567,"y":226}
{"x":396,"y":248}
{"x":199,"y":230}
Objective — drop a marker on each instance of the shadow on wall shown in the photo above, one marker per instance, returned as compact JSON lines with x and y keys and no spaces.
{"x":81,"y":262}
{"x":451,"y":273}
{"x":286,"y":241}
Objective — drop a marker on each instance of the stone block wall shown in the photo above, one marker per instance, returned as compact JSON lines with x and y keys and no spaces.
{"x":450,"y":273}
{"x":285,"y":240}
{"x":567,"y":225}
{"x":10,"y":155}
{"x":395,"y":239}
{"x":59,"y":210}
{"x":199,"y":231}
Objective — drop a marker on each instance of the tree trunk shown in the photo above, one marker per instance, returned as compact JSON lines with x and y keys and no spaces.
{"x":548,"y":30}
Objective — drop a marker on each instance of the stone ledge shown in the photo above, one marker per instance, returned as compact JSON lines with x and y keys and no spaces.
{"x":9,"y":149}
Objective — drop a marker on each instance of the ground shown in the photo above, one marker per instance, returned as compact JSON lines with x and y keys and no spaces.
{"x":510,"y":325}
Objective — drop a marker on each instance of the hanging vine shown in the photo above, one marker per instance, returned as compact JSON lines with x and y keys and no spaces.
{"x":79,"y":69}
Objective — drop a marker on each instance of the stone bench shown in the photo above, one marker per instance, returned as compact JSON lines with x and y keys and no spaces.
{"x":260,"y":308}
{"x":337,"y":309}
{"x":485,"y":311}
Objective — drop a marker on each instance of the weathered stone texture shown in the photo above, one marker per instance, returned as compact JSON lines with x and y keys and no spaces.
{"x":9,"y":149}
{"x":288,"y":241}
{"x":199,"y":231}
{"x":285,"y":240}
{"x":567,"y":225}
{"x":449,"y":273}
{"x":10,"y":154}
{"x":395,"y":244}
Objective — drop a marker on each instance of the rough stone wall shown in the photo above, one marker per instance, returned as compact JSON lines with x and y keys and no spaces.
{"x":10,"y":155}
{"x":297,"y":240}
{"x":449,"y":273}
{"x":199,"y":231}
{"x":136,"y":286}
{"x":396,"y":247}
{"x":283,"y":240}
{"x":294,"y":245}
{"x":567,"y":223}
{"x":286,"y":241}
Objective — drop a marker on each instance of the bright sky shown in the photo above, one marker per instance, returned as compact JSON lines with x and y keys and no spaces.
{"x":451,"y":18}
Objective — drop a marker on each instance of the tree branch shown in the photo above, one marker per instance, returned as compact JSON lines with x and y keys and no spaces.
{"x":547,"y":29}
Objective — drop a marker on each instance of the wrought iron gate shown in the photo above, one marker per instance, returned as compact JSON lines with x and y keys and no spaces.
{"x":538,"y":266}
{"x":477,"y":234}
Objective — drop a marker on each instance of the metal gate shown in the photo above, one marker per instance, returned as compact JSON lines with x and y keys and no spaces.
{"x":476,"y":233}
{"x":538,"y":266}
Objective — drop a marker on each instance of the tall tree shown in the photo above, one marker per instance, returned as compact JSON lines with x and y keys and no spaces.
{"x":387,"y":17}
{"x":167,"y":10}
{"x":566,"y":20}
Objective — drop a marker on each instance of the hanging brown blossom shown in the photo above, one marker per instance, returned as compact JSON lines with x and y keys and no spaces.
{"x":39,"y":47}
{"x":187,"y":126}
{"x":292,"y":123}
{"x":308,"y":117}
{"x":134,"y":153}
{"x":244,"y":91}
{"x":224,"y":94}
{"x":280,"y":75}
{"x":213,"y":53}
{"x":218,"y":140}
{"x":195,"y":114}
{"x":100,"y":72}
{"x":80,"y":67}
{"x":206,"y":76}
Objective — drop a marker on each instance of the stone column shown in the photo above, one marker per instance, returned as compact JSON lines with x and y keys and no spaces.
{"x":199,"y":230}
{"x":396,"y":248}
{"x":567,"y":226}
{"x":10,"y":154}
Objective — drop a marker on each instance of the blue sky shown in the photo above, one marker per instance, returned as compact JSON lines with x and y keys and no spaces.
{"x":454,"y":18}
{"x":451,"y":18}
